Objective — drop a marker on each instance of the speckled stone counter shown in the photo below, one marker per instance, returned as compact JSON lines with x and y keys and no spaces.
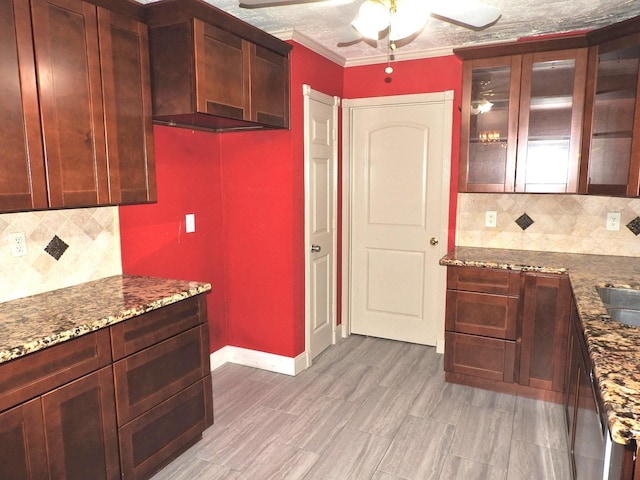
{"x":614,"y":347}
{"x":39,"y":321}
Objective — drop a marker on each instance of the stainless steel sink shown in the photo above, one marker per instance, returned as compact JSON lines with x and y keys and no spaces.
{"x":623,"y":304}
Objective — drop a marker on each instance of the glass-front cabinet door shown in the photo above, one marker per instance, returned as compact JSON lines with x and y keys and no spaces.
{"x":490,"y":95}
{"x":611,"y":119}
{"x":550,"y":122}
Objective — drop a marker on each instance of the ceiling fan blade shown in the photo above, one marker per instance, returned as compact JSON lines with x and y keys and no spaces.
{"x":468,"y":13}
{"x":274,"y":3}
{"x":349,"y":36}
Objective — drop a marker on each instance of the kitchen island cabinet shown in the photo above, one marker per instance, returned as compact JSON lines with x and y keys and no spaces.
{"x":212,"y":71}
{"x":108,"y":395}
{"x":81,"y":134}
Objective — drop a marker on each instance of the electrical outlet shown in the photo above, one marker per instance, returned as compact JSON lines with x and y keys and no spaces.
{"x":18,"y":243}
{"x":613,"y":221}
{"x":490,"y":218}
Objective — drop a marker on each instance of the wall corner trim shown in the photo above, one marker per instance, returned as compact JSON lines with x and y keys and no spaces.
{"x":253,"y":358}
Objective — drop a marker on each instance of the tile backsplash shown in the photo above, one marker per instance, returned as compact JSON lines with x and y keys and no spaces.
{"x":561,"y":223}
{"x":64,"y":248}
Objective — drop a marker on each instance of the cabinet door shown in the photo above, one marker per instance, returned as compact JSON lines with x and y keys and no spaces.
{"x":68,"y":66}
{"x":550,"y":124}
{"x":161,"y":434}
{"x":479,"y":356}
{"x":80,"y":421}
{"x":545,"y":327}
{"x":23,"y":454}
{"x":611,"y":118}
{"x":488,"y":138}
{"x":22,"y":176}
{"x":222,"y":72}
{"x":481,"y":314}
{"x":572,"y":380}
{"x":269,"y":86}
{"x":149,"y":377}
{"x":124,"y":55}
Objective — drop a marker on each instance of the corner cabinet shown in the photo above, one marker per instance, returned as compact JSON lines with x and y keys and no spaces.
{"x":507,"y":330}
{"x":78,"y":126}
{"x":521,"y":120}
{"x":211,"y":71}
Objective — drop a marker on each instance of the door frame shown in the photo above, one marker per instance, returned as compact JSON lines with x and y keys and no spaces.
{"x":348,"y":105}
{"x":309,"y":94}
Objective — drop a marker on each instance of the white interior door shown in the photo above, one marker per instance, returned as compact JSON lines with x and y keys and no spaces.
{"x":399,"y":154}
{"x":321,"y":113}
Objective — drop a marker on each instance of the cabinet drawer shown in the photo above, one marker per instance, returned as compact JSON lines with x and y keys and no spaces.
{"x":476,"y":279}
{"x":479,"y":356}
{"x":481,"y":314}
{"x":149,"y":377}
{"x":158,"y":436}
{"x":158,"y":325}
{"x":42,"y":371}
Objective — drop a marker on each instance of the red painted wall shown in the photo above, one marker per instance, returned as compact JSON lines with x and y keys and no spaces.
{"x":247,"y":192}
{"x":415,"y":76}
{"x":263,"y":189}
{"x":153,"y":239}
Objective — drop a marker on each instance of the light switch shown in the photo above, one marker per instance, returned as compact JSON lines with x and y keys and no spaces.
{"x":190,"y":222}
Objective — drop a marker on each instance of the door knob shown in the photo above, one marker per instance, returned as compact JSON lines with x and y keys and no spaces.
{"x":434,"y":241}
{"x":315,"y":248}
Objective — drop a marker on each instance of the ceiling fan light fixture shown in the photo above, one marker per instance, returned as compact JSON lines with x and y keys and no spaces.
{"x":372,"y":18}
{"x":407,"y":18}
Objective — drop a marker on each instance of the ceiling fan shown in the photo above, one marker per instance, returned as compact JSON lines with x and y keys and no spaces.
{"x":400,"y":19}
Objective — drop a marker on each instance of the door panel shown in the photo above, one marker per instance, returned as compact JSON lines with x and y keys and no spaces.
{"x":400,"y":154}
{"x":320,"y":152}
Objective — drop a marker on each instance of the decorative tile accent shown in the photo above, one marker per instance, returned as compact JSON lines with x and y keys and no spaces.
{"x":56,"y":247}
{"x":564,"y":223}
{"x":94,"y":236}
{"x":634,"y":226}
{"x":524,"y":221}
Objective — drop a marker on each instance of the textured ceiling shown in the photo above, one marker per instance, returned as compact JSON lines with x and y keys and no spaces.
{"x":324,"y":23}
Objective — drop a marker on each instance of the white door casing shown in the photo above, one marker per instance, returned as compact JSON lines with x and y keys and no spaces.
{"x":320,"y":170}
{"x":396,"y":175}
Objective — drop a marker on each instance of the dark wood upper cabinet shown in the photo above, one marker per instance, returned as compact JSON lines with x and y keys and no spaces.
{"x":522,"y":121}
{"x":211,"y":71}
{"x":81,"y":134}
{"x":558,"y":115}
{"x":22,"y":176}
{"x":70,"y":88}
{"x":124,"y":53}
{"x":611,"y":164}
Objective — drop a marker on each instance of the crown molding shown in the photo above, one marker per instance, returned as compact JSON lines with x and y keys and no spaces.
{"x":311,"y":44}
{"x":305,"y":41}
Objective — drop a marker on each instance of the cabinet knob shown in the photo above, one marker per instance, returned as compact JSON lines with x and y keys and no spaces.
{"x":434,"y":241}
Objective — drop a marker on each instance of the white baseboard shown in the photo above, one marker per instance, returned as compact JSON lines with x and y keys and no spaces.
{"x":253,"y":358}
{"x":440,"y":345}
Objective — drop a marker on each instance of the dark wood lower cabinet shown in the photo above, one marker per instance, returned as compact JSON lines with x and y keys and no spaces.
{"x":69,"y":412}
{"x":23,"y":455}
{"x":507,"y":330}
{"x":80,"y":425}
{"x":156,"y":437}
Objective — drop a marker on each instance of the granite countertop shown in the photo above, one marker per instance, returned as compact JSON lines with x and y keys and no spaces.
{"x":614,"y":347}
{"x":32,"y":323}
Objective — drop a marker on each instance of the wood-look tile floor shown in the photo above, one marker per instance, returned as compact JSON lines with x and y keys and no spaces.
{"x":371,"y":409}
